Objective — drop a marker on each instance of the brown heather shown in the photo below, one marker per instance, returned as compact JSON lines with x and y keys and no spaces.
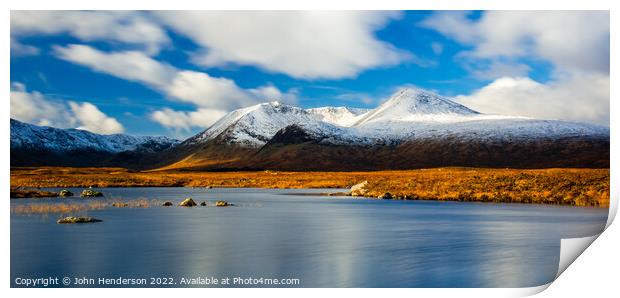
{"x":561,"y":186}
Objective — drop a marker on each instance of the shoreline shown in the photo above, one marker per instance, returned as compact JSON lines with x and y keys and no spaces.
{"x":558,"y":186}
{"x":327,"y":194}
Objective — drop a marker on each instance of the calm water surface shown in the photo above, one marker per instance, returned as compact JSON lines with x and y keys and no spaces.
{"x":322,"y":241}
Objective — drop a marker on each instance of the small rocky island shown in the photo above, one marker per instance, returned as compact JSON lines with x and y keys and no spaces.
{"x":65,"y":193}
{"x":80,"y":219}
{"x":90,"y":193}
{"x":189,"y":202}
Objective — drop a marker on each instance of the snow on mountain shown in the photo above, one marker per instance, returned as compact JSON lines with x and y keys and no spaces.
{"x":341,"y":116}
{"x":484,"y":128}
{"x":413,"y":113}
{"x":255,"y":125}
{"x":409,"y":114}
{"x":413,"y":104}
{"x":29,"y":136}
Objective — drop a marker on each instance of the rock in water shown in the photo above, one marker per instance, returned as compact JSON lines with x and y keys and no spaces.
{"x":189,"y":202}
{"x":222,"y":204}
{"x":73,"y":219}
{"x":167,"y":204}
{"x":65,"y":193}
{"x":359,"y":190}
{"x":90,"y":193}
{"x":386,"y":196}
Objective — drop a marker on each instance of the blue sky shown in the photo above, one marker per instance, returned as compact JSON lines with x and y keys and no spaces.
{"x":174,"y":74}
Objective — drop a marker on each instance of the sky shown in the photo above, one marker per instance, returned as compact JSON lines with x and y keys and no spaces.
{"x":176,"y":73}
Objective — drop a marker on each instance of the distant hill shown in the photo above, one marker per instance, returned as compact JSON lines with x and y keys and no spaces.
{"x":33,"y":145}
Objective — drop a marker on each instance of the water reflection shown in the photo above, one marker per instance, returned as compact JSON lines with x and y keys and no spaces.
{"x":323,"y":241}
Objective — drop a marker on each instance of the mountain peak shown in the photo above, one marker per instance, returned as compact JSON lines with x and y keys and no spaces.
{"x":412,"y":91}
{"x":254,"y":125}
{"x":273,"y":103}
{"x":420,"y":101}
{"x":410,"y":104}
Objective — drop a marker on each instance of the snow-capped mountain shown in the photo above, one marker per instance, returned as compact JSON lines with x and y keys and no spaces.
{"x":409,"y":114}
{"x":413,"y":105}
{"x":43,"y":145}
{"x":414,"y":128}
{"x":24,"y":135}
{"x":256,"y":125}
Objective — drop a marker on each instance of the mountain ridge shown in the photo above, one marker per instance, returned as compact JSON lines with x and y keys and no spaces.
{"x":414,"y":128}
{"x":43,"y":145}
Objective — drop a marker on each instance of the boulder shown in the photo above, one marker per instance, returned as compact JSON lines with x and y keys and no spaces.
{"x":90,"y":193}
{"x":359,"y":190}
{"x":203,"y":204}
{"x":74,"y":219}
{"x":65,"y":193}
{"x":222,"y":204}
{"x":167,"y":204}
{"x":385,"y":196}
{"x":189,"y":202}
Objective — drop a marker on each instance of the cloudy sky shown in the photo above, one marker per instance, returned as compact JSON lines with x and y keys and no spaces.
{"x":175,"y":73}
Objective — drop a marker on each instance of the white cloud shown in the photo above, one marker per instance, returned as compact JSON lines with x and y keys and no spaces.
{"x":583,"y":97}
{"x":186,"y":120}
{"x":20,"y":49}
{"x":571,"y":40}
{"x":271,"y":93}
{"x":489,"y":70}
{"x":189,"y":86}
{"x":206,"y":91}
{"x":33,"y":107}
{"x":576,"y":43}
{"x":212,"y":96}
{"x":92,"y":119}
{"x":198,"y":88}
{"x":135,"y":28}
{"x":129,"y":65}
{"x":453,"y":24}
{"x":302,"y":44}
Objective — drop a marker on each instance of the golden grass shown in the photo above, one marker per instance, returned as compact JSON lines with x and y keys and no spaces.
{"x":192,"y":161}
{"x":579,"y":187}
{"x":73,"y":208}
{"x":59,"y":208}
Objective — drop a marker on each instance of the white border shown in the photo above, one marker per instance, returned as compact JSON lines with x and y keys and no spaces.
{"x":594,"y":273}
